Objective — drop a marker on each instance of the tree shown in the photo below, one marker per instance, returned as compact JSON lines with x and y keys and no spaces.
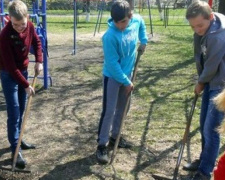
{"x":160,"y":9}
{"x":222,"y":7}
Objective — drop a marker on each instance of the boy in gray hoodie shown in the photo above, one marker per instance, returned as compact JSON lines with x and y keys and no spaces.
{"x":209,"y":54}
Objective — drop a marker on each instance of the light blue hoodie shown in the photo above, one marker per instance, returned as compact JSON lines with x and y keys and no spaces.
{"x":120,"y":49}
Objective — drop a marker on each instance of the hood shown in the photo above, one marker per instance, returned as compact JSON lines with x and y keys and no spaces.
{"x":218,"y":24}
{"x":111,"y":23}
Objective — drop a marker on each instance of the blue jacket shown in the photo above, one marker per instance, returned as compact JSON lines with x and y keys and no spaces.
{"x":119,"y":49}
{"x":209,"y":53}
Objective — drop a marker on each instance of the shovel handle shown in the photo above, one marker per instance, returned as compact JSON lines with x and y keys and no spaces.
{"x":23,"y":125}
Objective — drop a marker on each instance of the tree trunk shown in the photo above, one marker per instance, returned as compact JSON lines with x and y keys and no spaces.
{"x":160,"y":9}
{"x":131,"y":2}
{"x":222,"y":7}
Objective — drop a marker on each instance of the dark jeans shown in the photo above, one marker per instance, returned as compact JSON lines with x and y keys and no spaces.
{"x":210,"y":120}
{"x":15,"y":96}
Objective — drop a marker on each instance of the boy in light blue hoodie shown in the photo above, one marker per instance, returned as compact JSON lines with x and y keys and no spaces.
{"x":119,"y":46}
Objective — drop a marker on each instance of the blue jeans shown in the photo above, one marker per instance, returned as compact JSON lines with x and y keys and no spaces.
{"x":210,"y":120}
{"x":15,"y":97}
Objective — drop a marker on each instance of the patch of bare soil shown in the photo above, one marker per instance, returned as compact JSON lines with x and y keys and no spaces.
{"x":63,"y":123}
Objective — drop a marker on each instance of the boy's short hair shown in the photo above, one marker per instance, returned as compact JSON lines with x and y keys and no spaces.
{"x":199,"y":8}
{"x":17,"y":9}
{"x":120,"y":9}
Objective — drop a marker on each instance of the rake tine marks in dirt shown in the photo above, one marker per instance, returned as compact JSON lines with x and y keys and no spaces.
{"x":149,"y":152}
{"x":107,"y":175}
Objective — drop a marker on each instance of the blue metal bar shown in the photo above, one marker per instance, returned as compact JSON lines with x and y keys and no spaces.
{"x":2,"y":14}
{"x":45,"y":56}
{"x":34,"y":16}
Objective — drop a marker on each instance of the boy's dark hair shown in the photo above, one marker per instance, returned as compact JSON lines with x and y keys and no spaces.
{"x":120,"y":9}
{"x":199,"y":8}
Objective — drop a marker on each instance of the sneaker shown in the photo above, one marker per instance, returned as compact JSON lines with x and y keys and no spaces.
{"x":25,"y":146}
{"x":122,"y":143}
{"x":20,"y":161}
{"x":102,"y":154}
{"x":192,"y":166}
{"x":200,"y":176}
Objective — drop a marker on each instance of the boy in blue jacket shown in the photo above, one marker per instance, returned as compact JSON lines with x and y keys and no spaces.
{"x":209,"y":54}
{"x":119,"y":46}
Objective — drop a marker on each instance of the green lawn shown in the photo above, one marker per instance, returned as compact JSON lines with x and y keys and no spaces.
{"x":175,"y":17}
{"x":162,"y":96}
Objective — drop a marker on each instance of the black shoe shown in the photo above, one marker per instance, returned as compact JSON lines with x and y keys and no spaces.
{"x":200,"y":176}
{"x":122,"y":143}
{"x":25,"y":146}
{"x":102,"y":154}
{"x":192,"y":166}
{"x":20,"y":161}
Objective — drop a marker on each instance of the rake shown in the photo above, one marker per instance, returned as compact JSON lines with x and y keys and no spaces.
{"x":126,"y":108}
{"x":26,"y":113}
{"x":184,"y":141}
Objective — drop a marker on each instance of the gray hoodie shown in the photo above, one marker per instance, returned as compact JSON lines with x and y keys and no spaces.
{"x":209,"y":54}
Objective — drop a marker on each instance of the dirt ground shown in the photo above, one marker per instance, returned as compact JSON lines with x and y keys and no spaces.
{"x":63,"y":124}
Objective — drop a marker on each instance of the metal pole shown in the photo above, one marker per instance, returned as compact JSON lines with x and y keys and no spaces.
{"x":74,"y":28}
{"x":98,"y":18}
{"x":45,"y":57}
{"x":102,"y":7}
{"x":2,"y":14}
{"x":150,"y":17}
{"x":164,"y":20}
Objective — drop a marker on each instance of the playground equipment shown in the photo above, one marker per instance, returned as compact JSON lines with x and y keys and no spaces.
{"x":100,"y":12}
{"x":131,"y":2}
{"x":38,"y":15}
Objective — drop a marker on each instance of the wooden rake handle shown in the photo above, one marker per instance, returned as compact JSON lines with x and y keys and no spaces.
{"x":26,"y":113}
{"x":125,"y":109}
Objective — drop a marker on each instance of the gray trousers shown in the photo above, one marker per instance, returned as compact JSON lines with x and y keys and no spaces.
{"x":114,"y":101}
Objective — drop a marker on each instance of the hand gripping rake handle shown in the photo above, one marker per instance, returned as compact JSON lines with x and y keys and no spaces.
{"x":184,"y":140}
{"x":23,"y":124}
{"x":126,"y":108}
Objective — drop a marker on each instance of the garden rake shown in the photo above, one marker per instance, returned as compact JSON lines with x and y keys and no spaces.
{"x":26,"y":113}
{"x":184,"y":141}
{"x":126,"y":108}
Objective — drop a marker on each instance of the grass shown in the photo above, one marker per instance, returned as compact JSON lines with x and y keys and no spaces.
{"x":160,"y":105}
{"x":65,"y":18}
{"x":165,"y":81}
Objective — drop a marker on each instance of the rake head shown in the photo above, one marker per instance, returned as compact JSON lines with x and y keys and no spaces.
{"x":161,"y":177}
{"x":17,"y":170}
